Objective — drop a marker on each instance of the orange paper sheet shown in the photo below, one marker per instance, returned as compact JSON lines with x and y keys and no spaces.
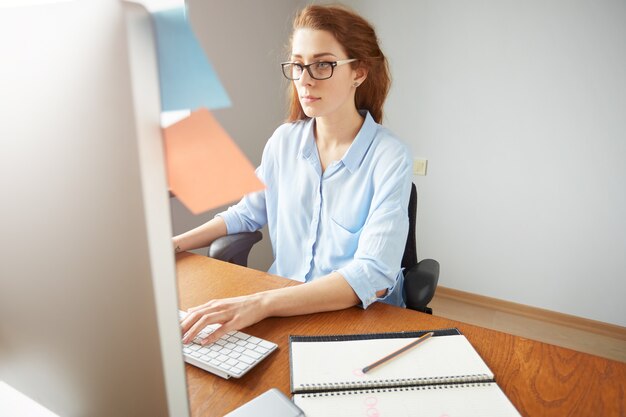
{"x":205,"y":168}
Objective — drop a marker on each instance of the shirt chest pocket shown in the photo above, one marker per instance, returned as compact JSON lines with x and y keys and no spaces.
{"x":347,"y":212}
{"x":341,"y":240}
{"x":347,"y":226}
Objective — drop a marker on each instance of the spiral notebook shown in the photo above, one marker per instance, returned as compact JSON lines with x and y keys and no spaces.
{"x":444,"y":376}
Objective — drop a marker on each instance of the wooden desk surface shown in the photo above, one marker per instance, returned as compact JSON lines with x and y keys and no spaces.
{"x":540,"y":379}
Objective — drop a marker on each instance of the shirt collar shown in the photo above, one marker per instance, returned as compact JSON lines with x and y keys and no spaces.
{"x":356,"y":152}
{"x":307,"y":143}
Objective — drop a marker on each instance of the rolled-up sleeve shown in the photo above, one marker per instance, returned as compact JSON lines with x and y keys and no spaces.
{"x":376,"y":263}
{"x":246,"y":216}
{"x":250,"y":213}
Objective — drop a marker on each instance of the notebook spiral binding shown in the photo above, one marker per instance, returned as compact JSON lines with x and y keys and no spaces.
{"x":398,"y":389}
{"x":390,"y":335}
{"x":396,"y":383}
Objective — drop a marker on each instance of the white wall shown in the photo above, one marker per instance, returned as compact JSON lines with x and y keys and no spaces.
{"x":245,"y":42}
{"x":520,"y":108}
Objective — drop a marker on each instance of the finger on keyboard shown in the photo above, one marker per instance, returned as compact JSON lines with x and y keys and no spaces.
{"x":196,"y":329}
{"x":216,"y":335}
{"x":232,"y":355}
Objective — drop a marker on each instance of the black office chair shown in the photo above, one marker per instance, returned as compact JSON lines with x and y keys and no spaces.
{"x":420,"y":278}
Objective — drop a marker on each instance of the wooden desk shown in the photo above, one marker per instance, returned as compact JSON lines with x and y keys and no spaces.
{"x":540,"y":379}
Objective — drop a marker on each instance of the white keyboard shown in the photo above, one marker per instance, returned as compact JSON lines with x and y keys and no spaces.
{"x":233,"y":355}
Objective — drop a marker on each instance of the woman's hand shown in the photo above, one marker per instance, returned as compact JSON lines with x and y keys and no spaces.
{"x":232,"y":313}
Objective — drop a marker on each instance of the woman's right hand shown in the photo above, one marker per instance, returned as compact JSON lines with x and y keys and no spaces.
{"x":231,"y":313}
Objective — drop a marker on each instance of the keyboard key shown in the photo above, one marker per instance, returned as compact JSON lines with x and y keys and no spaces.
{"x":246,"y":359}
{"x":266,"y":344}
{"x":254,"y":340}
{"x":261,"y":350}
{"x":253,"y":354}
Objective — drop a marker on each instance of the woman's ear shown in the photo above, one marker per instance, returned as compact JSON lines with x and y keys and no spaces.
{"x":360,"y":74}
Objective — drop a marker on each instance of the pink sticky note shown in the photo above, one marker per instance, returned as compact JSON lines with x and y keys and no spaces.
{"x":205,"y":168}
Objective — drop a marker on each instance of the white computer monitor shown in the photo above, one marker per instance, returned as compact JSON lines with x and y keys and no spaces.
{"x":88,"y":314}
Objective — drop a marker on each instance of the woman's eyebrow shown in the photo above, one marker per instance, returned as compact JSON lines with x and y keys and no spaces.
{"x":315,"y":56}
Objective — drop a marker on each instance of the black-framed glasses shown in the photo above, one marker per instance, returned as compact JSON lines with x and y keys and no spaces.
{"x":321,"y":70}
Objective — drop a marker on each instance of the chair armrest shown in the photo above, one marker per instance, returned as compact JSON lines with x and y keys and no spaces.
{"x":420,"y":283}
{"x":234,"y":248}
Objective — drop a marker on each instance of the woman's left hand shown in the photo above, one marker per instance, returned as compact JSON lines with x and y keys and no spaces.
{"x":232,"y":313}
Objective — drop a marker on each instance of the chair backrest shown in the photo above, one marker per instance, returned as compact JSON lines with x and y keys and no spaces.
{"x":409,"y":259}
{"x":420,"y":278}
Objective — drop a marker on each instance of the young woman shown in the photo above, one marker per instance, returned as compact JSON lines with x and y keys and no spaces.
{"x":338,"y":184}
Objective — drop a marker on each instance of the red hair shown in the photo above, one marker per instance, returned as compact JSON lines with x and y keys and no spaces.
{"x":359,"y":41}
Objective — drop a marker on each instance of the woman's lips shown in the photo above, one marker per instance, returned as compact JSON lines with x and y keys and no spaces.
{"x":309,"y":99}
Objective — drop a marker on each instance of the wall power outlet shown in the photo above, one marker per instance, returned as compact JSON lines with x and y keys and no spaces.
{"x":420,"y":166}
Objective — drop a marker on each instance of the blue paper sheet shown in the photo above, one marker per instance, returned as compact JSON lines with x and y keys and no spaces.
{"x":187,"y":78}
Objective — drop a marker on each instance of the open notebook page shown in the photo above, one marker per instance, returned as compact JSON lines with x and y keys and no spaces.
{"x":323,"y":364}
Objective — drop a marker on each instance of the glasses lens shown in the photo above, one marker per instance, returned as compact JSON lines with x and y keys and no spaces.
{"x":292,"y":71}
{"x":321,"y":70}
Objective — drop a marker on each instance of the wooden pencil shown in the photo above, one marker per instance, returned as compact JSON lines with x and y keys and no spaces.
{"x":397,"y":352}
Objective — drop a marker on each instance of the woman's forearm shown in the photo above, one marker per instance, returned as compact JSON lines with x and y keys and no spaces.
{"x":329,"y":293}
{"x":201,"y":236}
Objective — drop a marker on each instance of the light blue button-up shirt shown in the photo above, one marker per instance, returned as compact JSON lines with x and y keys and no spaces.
{"x":351,"y":219}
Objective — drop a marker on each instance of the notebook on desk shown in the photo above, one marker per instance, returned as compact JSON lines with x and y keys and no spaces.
{"x":444,"y":376}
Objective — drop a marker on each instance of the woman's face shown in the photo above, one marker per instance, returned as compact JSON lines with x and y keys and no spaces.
{"x":323,"y":97}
